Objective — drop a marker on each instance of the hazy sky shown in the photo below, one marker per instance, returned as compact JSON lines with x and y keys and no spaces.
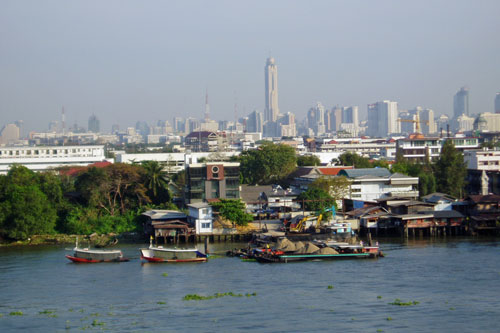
{"x":135,"y":60}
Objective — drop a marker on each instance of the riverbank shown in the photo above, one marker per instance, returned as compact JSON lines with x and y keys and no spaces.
{"x":93,"y":240}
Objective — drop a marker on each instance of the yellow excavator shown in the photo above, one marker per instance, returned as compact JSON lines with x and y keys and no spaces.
{"x":300,"y":226}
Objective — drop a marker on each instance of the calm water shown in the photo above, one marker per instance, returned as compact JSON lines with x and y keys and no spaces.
{"x":456,"y":282}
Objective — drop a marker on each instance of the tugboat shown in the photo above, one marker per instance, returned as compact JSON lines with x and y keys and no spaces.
{"x":86,"y":255}
{"x":171,"y":255}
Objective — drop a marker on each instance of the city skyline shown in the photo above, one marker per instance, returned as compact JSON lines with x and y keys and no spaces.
{"x":153,"y":63}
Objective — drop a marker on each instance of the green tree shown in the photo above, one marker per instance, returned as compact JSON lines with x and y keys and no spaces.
{"x":156,"y":181}
{"x":113,"y":189}
{"x":308,"y":160}
{"x":337,"y":187}
{"x":25,"y":209}
{"x":316,"y":199}
{"x":450,"y":171}
{"x":355,"y":160}
{"x":232,"y":210}
{"x":269,"y":164}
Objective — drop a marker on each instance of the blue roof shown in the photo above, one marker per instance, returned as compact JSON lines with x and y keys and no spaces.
{"x":355,"y":173}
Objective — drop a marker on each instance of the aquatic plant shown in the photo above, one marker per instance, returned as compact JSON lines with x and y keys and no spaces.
{"x":16,"y":313}
{"x":379,"y":297}
{"x":389,"y":318}
{"x":196,"y":297}
{"x":164,"y":274}
{"x":398,"y":302}
{"x":98,"y":323}
{"x":452,"y":308}
{"x":161,"y":302}
{"x":330,"y":287}
{"x":47,"y":312}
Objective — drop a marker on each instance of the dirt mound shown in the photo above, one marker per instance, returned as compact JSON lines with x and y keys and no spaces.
{"x":286,"y":245}
{"x":326,"y":250}
{"x":309,"y":248}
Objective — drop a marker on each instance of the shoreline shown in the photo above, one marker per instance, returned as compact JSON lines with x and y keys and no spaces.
{"x":94,"y":239}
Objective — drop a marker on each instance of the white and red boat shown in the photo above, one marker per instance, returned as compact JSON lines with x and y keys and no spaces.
{"x":86,"y":255}
{"x":172,"y":255}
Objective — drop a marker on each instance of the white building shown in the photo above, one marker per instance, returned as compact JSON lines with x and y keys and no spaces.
{"x":45,"y":158}
{"x":485,"y":159}
{"x":376,"y":183}
{"x":200,"y":214}
{"x":271,"y":85}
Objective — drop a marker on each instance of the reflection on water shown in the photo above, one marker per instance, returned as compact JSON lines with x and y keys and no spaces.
{"x":454,"y":281}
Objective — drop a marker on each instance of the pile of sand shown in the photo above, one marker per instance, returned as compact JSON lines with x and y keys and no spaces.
{"x":326,"y":250}
{"x":309,"y":248}
{"x":286,"y":245}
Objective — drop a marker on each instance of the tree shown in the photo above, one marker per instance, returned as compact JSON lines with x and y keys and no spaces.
{"x":355,"y":160}
{"x":25,"y":209}
{"x":113,"y":189}
{"x":316,"y":199}
{"x":232,"y":210}
{"x":450,"y":171}
{"x":424,"y":172}
{"x":308,"y":160}
{"x":156,"y":182}
{"x":268,"y":164}
{"x":337,"y":187}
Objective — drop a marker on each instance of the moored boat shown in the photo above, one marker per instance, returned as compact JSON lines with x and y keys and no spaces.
{"x":287,"y":251}
{"x":86,"y":255}
{"x":172,"y":255}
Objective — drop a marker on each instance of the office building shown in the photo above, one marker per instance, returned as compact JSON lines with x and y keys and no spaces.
{"x":94,"y":125}
{"x":461,"y":103}
{"x":271,"y":87}
{"x":383,"y":119}
{"x":211,"y":181}
{"x":255,"y":122}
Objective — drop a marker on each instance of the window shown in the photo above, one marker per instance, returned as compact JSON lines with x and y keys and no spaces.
{"x":205,"y":225}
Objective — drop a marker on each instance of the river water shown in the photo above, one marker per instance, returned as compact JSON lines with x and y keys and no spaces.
{"x":453,"y":286}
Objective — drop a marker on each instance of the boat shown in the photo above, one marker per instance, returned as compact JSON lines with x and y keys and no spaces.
{"x":86,"y":255}
{"x":323,"y":252}
{"x":172,"y":255}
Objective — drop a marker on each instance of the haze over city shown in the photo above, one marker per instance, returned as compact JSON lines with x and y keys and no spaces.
{"x":126,"y":61}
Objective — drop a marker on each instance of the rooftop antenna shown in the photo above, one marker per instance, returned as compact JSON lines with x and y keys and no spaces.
{"x":63,"y":118}
{"x":207,"y":107}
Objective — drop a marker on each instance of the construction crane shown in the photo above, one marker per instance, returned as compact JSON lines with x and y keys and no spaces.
{"x":416,"y":121}
{"x":300,"y":226}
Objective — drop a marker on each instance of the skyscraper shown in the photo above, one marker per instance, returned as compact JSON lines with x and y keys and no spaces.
{"x":271,"y":85}
{"x":254,"y":122}
{"x":461,"y":103}
{"x":497,"y":103}
{"x":382,"y":119}
{"x":94,"y":126}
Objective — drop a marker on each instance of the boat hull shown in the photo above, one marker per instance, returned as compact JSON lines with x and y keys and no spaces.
{"x":305,"y":257}
{"x":89,"y":260}
{"x":162,"y":255}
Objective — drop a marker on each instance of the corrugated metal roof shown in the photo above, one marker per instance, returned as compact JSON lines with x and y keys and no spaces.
{"x":373,"y":172}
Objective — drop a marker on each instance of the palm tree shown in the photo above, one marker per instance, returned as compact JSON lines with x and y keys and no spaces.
{"x":155,"y":178}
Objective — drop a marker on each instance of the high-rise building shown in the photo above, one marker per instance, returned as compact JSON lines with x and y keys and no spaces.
{"x":461,"y":103}
{"x":94,"y":126}
{"x":350,"y":115}
{"x":383,"y":119}
{"x":287,"y":125}
{"x":497,"y":103}
{"x":255,"y":122}
{"x":336,"y":118}
{"x":316,"y":119}
{"x":9,"y":133}
{"x":271,"y":85}
{"x":179,"y":124}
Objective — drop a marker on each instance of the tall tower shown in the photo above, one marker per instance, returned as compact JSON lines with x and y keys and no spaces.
{"x":461,"y":103}
{"x":271,"y":80}
{"x":497,"y":103}
{"x":207,"y":108}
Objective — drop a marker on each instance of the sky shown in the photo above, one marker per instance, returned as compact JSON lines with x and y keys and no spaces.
{"x":129,"y":60}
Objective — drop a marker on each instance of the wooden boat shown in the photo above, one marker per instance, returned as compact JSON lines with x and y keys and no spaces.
{"x":86,"y":255}
{"x":172,"y":255}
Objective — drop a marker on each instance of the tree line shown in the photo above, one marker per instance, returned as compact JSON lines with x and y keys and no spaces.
{"x":101,"y":200}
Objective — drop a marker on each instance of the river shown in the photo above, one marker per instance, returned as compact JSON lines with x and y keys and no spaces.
{"x":453,"y":285}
